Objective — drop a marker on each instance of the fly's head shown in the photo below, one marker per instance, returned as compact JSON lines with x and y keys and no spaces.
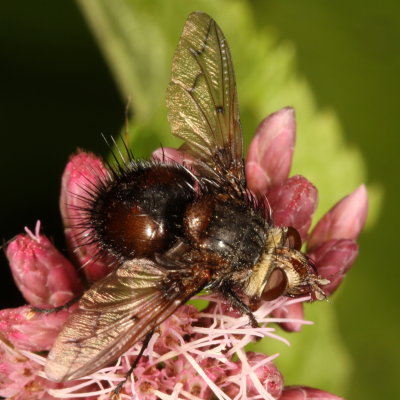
{"x":283,"y":269}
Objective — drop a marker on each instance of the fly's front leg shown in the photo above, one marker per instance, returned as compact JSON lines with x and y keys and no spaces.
{"x":237,"y":303}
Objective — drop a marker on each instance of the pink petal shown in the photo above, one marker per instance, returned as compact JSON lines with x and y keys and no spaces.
{"x":293,"y":203}
{"x":333,"y":259}
{"x":30,"y":330}
{"x":290,"y":311}
{"x":43,"y":275}
{"x":306,"y":393}
{"x":82,"y":176}
{"x":270,"y":153}
{"x":344,"y":221}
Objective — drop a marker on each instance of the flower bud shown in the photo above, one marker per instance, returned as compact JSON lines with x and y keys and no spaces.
{"x":344,"y":221}
{"x":43,"y":275}
{"x":293,"y":203}
{"x":29,"y":330}
{"x":82,"y":175}
{"x":290,"y":311}
{"x":333,"y":259}
{"x":270,"y":153}
{"x":266,"y":372}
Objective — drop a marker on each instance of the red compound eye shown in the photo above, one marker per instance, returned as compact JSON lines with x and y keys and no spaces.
{"x":293,"y":239}
{"x":276,"y":285}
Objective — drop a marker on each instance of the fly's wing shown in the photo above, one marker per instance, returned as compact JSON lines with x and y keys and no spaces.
{"x":202,"y":99}
{"x":112,"y":316}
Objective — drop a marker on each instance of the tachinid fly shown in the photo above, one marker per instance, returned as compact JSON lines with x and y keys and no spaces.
{"x":176,"y":230}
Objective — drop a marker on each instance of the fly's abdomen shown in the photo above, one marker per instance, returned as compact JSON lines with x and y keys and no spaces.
{"x":139,"y":212}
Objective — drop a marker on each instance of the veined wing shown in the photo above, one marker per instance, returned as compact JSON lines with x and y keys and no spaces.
{"x":202,"y":99}
{"x":111,"y":317}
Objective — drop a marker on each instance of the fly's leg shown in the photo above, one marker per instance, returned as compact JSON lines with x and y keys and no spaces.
{"x":146,"y":341}
{"x":237,"y":303}
{"x":55,"y":309}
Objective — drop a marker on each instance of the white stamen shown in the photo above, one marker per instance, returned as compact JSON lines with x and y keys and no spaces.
{"x":34,"y":236}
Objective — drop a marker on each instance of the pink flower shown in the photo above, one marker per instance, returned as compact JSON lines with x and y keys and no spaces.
{"x":270,"y":153}
{"x":81,"y":176}
{"x":294,"y":200}
{"x":43,"y":275}
{"x":194,"y":354}
{"x":19,"y":378}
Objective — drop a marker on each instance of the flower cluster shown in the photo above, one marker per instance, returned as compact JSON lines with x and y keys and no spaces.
{"x":193,"y":354}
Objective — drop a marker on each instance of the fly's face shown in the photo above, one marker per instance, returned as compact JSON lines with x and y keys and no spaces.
{"x":283,"y":269}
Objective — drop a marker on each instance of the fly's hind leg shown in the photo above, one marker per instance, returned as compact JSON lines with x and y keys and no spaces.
{"x":146,"y":341}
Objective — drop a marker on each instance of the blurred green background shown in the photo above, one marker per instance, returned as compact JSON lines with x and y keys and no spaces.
{"x":64,"y":82}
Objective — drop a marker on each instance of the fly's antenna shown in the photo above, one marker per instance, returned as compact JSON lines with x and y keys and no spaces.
{"x":275,"y":247}
{"x":270,"y":212}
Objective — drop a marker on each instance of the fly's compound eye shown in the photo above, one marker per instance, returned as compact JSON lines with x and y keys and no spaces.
{"x":276,"y":285}
{"x":293,"y":239}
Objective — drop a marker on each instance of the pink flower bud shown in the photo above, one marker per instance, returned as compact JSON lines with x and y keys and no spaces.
{"x":43,"y":275}
{"x":82,"y":175}
{"x":29,"y":330}
{"x":175,"y":328}
{"x":333,"y":259}
{"x":291,"y":311}
{"x":293,"y":203}
{"x":270,"y":153}
{"x":306,"y":393}
{"x":344,"y":221}
{"x":266,"y":372}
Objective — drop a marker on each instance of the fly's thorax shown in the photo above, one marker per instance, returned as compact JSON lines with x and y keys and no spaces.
{"x":226,"y":226}
{"x":283,"y":269}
